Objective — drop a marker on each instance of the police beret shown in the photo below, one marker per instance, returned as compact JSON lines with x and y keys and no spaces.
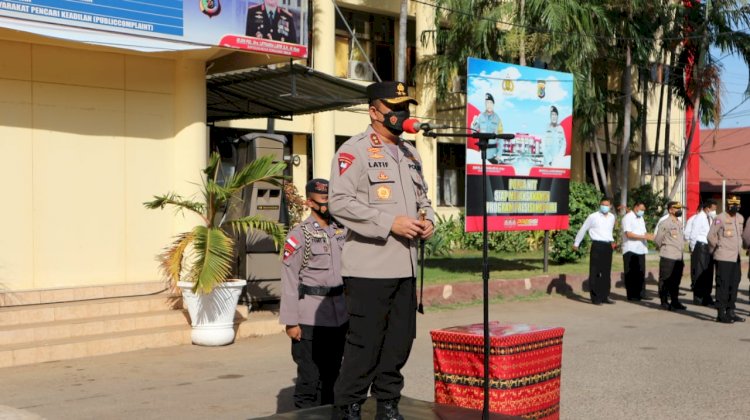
{"x":488,"y":97}
{"x":389,"y":92}
{"x":317,"y":185}
{"x":733,"y":199}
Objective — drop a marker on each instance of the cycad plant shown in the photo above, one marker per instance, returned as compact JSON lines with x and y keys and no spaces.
{"x":203,"y":256}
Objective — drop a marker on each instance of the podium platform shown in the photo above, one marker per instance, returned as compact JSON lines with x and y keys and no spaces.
{"x":410,"y":408}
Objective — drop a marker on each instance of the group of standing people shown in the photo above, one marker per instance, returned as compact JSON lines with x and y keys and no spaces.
{"x":715,"y":242}
{"x":349,"y":274}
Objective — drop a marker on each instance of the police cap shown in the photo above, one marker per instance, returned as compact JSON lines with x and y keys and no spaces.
{"x":317,"y":185}
{"x":674,"y":205}
{"x":488,"y":97}
{"x":390,"y":93}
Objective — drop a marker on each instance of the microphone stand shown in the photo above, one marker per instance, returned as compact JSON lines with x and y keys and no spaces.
{"x":483,"y":143}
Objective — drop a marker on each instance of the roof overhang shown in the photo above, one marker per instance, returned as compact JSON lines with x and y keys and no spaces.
{"x":277,"y":92}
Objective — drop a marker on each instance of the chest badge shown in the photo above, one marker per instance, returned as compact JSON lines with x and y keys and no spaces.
{"x":375,"y":153}
{"x":382,"y":176}
{"x":383,"y":192}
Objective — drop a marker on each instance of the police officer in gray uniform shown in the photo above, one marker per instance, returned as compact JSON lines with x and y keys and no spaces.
{"x":269,"y":21}
{"x":377,"y":191}
{"x":489,"y":122}
{"x":312,"y":301}
{"x":725,"y":243}
{"x":671,"y":241}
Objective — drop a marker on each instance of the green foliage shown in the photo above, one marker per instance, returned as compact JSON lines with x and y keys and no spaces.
{"x":584,"y":199}
{"x":655,"y":204}
{"x":447,"y":237}
{"x":210,"y":262}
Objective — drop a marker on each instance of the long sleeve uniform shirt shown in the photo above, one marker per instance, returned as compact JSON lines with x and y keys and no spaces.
{"x":599,"y":226}
{"x":697,"y":227}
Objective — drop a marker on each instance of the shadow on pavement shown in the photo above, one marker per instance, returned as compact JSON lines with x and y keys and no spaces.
{"x":285,"y":400}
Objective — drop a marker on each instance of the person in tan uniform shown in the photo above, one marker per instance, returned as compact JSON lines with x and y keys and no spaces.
{"x":312,"y":300}
{"x":377,"y":191}
{"x":725,"y":243}
{"x":671,"y":241}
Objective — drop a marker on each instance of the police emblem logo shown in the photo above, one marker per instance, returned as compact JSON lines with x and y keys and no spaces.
{"x":383,"y":192}
{"x":541,"y":89}
{"x":508,"y":86}
{"x":383,"y":176}
{"x":375,"y":140}
{"x":393,"y":120}
{"x":345,"y":161}
{"x":400,"y":89}
{"x":210,"y":8}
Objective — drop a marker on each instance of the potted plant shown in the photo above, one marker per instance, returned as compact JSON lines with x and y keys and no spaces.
{"x":200,"y":261}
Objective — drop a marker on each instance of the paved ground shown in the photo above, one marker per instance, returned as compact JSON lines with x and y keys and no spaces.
{"x":621,"y":361}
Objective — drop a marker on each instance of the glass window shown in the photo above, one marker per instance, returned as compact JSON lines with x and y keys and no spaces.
{"x":451,"y":176}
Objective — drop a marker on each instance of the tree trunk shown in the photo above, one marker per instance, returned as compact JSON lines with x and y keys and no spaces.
{"x":611,"y":162}
{"x":667,"y":128}
{"x":658,"y":124}
{"x":522,"y":39}
{"x":627,"y":91}
{"x":602,"y":171}
{"x":644,"y":127}
{"x":401,"y":66}
{"x":594,"y":171}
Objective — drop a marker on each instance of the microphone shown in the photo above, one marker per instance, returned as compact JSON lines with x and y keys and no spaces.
{"x":413,"y":126}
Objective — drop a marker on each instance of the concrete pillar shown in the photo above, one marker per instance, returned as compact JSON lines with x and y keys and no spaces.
{"x":324,"y":60}
{"x":299,"y":172}
{"x":191,"y":134}
{"x":426,"y":146}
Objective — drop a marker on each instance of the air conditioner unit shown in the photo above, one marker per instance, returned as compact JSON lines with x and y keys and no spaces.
{"x":458,"y":84}
{"x":359,"y":70}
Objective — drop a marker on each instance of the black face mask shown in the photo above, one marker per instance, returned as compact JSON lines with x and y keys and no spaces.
{"x":322,"y":210}
{"x":394,"y":121}
{"x":678,"y":213}
{"x":734,"y":209}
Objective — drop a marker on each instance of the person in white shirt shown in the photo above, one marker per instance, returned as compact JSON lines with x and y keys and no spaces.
{"x":701,"y":261}
{"x":599,"y":226}
{"x":634,"y":250}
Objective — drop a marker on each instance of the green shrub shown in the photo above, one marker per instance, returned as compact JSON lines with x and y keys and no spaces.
{"x":655,"y":204}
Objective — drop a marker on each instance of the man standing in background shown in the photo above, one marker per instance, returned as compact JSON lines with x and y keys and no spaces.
{"x":671,"y":240}
{"x":725,"y":243}
{"x":634,"y":250}
{"x":701,"y":261}
{"x":599,"y":226}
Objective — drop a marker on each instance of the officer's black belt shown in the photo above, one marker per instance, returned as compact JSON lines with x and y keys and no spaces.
{"x":320,"y":290}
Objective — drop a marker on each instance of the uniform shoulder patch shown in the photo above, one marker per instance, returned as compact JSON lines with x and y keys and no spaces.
{"x":291,"y":246}
{"x":345,"y":162}
{"x":717,"y":222}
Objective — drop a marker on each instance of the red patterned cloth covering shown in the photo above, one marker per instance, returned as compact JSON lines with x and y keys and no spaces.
{"x":525,"y":367}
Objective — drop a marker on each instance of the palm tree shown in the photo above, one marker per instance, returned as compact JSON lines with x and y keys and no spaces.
{"x":203,"y":256}
{"x":709,"y":24}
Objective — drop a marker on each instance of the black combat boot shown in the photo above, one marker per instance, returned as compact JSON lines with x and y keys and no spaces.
{"x":388,"y":410}
{"x":733,"y":316}
{"x":347,"y":412}
{"x":722,"y":317}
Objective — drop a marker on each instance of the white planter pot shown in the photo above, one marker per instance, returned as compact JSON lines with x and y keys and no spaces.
{"x":212,"y":315}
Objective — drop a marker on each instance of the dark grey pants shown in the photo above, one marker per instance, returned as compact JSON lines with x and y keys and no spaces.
{"x":600,"y":269}
{"x":728,"y":276}
{"x":382,"y":327}
{"x":670,"y":275}
{"x":701,"y":271}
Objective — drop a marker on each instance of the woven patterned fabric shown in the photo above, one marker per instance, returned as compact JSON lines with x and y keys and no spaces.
{"x":525,"y":363}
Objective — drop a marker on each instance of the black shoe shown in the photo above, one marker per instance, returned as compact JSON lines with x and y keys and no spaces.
{"x":347,"y":412}
{"x":665,"y":306}
{"x":634,"y":299}
{"x":697,"y":301}
{"x":707,"y":301}
{"x":388,"y":410}
{"x":723,"y":318}
{"x":733,"y":316}
{"x":596,"y":302}
{"x":608,"y":301}
{"x":646,"y":298}
{"x":677,"y":306}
